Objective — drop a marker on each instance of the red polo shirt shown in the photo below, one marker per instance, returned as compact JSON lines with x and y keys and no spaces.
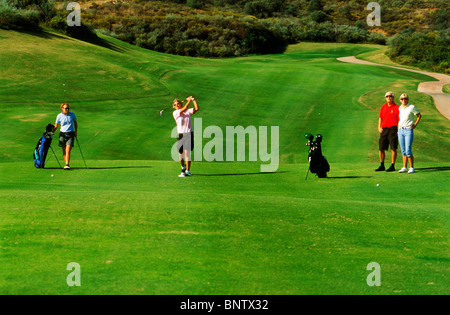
{"x":390,"y":115}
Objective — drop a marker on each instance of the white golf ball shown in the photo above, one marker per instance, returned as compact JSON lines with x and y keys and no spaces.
{"x":378,"y":185}
{"x":53,"y":175}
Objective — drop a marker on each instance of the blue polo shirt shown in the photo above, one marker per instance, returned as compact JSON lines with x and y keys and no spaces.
{"x":66,"y":122}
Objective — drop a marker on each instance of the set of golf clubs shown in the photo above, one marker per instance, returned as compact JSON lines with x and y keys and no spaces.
{"x":79,"y":147}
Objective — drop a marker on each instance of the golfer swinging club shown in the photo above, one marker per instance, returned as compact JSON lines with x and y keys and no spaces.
{"x":185,"y":139}
{"x":68,"y":131}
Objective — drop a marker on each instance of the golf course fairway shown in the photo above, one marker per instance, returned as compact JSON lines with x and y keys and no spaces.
{"x":134,"y":227}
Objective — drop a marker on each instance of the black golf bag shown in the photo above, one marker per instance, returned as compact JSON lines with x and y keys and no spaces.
{"x":318,"y":164}
{"x":42,"y":146}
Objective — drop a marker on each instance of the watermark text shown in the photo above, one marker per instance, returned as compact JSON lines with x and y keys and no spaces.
{"x":231,"y":145}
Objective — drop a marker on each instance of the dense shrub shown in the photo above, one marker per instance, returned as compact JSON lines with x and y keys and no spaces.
{"x":377,"y":38}
{"x":30,"y":14}
{"x":200,"y":35}
{"x":83,"y":32}
{"x":45,"y":8}
{"x":195,"y":4}
{"x":264,"y":8}
{"x":315,"y":5}
{"x":224,"y":28}
{"x":423,"y":49}
{"x":12,"y":17}
{"x":214,"y":33}
{"x":351,"y":34}
{"x":319,"y":16}
{"x":440,"y":19}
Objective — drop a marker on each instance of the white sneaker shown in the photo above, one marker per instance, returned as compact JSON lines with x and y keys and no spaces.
{"x":187,"y":173}
{"x":182,"y":174}
{"x":403,"y":170}
{"x":67,"y":167}
{"x":411,"y":170}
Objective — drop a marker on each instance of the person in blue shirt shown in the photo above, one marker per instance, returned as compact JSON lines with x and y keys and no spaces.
{"x":69,"y":127}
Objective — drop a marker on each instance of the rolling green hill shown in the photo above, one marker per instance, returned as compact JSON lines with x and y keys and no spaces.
{"x":117,"y":90}
{"x":415,"y":31}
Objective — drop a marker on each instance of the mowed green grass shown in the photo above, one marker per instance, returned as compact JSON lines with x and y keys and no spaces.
{"x":118,"y":92}
{"x":136,"y":228}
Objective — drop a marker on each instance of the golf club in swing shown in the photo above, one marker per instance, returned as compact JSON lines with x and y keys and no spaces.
{"x":161,"y":112}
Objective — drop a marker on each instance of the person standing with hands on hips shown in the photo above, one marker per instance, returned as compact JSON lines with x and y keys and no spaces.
{"x":406,"y":126}
{"x":68,"y":132}
{"x":387,"y":126}
{"x":185,"y":140}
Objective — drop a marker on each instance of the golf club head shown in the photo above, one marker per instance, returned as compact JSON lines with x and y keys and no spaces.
{"x":309,"y":137}
{"x":49,"y":128}
{"x":319,"y":138}
{"x":160,"y":113}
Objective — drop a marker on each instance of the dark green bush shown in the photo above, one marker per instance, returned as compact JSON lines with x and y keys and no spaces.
{"x":319,"y":16}
{"x":430,"y":50}
{"x":12,"y":17}
{"x":195,"y":4}
{"x":315,"y":5}
{"x":266,"y":8}
{"x":83,"y":32}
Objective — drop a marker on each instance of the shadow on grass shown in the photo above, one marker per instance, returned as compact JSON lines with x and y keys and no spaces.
{"x":339,"y":177}
{"x":88,"y":38}
{"x":103,"y":43}
{"x":434,"y":169}
{"x":42,"y":34}
{"x":241,"y":174}
{"x":98,"y":168}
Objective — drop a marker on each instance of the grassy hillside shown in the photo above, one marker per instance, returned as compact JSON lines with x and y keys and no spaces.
{"x":415,"y":31}
{"x":235,"y":230}
{"x":117,"y":91}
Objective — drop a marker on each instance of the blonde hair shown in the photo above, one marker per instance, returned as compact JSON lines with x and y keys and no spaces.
{"x":404,"y":95}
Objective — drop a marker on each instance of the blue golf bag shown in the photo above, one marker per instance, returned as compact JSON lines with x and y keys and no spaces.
{"x":42,"y":146}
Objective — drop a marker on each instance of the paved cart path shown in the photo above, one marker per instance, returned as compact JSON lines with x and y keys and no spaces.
{"x":433,"y":88}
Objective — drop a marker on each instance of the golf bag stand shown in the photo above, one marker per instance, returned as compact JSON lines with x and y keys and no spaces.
{"x":318,"y":164}
{"x":42,"y":146}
